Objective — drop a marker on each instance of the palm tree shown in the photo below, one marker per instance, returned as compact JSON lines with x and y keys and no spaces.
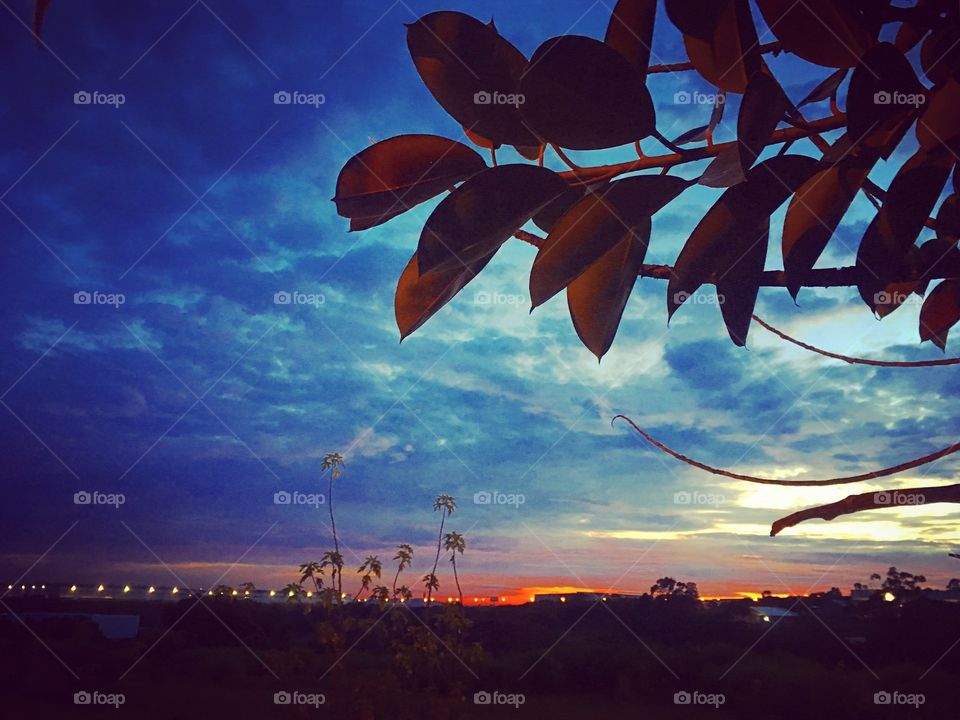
{"x":246,"y":589}
{"x":333,"y":462}
{"x":381,"y":593}
{"x":454,"y":543}
{"x":371,"y":566}
{"x":293,"y":592}
{"x":312,"y":571}
{"x":405,"y":556}
{"x":431,"y":583}
{"x":334,"y":560}
{"x":447,"y":505}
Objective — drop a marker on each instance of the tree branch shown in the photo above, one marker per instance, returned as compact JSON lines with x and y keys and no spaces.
{"x":870,"y":501}
{"x":855,"y":360}
{"x":909,"y":465}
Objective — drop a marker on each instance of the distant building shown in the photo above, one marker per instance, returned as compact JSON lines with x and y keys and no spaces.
{"x":770,"y":613}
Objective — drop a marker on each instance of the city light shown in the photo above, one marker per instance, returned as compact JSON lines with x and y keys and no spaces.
{"x":273,"y":593}
{"x":889,"y":596}
{"x":73,"y":588}
{"x":126,"y":588}
{"x":175,"y":590}
{"x":100,"y":588}
{"x":152,"y":589}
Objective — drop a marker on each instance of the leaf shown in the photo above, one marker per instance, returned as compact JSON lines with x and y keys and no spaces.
{"x":940,"y":122}
{"x":764,"y":105}
{"x":728,"y":53}
{"x":480,"y":140}
{"x":706,"y":131}
{"x":940,"y":312}
{"x":729,"y":231}
{"x":558,"y":207}
{"x":739,"y":285}
{"x":582,"y":94}
{"x":698,"y":18}
{"x":725,"y":171}
{"x":391,"y":177}
{"x":815,"y":213}
{"x":910,"y":199}
{"x":473,"y":73}
{"x":948,"y":219}
{"x":594,"y":226}
{"x":825,"y":90}
{"x":824,"y":32}
{"x":879,"y":97}
{"x":530,"y":152}
{"x":630,"y":31}
{"x":599,"y":296}
{"x":697,"y":134}
{"x":419,"y":297}
{"x":40,"y":8}
{"x":940,"y":54}
{"x":474,"y":220}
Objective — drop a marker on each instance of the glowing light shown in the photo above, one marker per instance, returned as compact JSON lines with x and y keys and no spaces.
{"x":503,"y":599}
{"x":43,"y":587}
{"x":309,"y":593}
{"x":604,"y":598}
{"x":33,"y":587}
{"x":235,"y":593}
{"x":73,"y":588}
{"x":273,"y":593}
{"x":151,"y":589}
{"x":533,"y":598}
{"x":766,"y":618}
{"x":343,"y":596}
{"x":175,"y":590}
{"x":889,"y":596}
{"x":209,"y":592}
{"x":291,"y":594}
{"x":23,"y":587}
{"x":246,"y":593}
{"x":563,"y":599}
{"x":100,"y":588}
{"x":126,"y":588}
{"x":9,"y":587}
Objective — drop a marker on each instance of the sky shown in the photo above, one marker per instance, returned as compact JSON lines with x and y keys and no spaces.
{"x":198,"y":398}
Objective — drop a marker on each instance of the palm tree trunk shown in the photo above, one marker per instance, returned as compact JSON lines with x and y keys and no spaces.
{"x":395,"y":578}
{"x":453,"y":559}
{"x":336,"y":543}
{"x":436,"y":560}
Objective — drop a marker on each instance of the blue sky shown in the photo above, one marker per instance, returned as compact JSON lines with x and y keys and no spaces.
{"x":198,"y":398}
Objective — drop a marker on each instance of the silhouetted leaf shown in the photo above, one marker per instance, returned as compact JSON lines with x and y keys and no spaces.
{"x":391,"y":177}
{"x":825,"y":90}
{"x":948,"y":218}
{"x":739,"y":284}
{"x":884,"y":95}
{"x":598,"y":297}
{"x":593,"y":226}
{"x":530,"y":152}
{"x":940,"y":312}
{"x":474,"y":220}
{"x":815,"y":213}
{"x":582,"y":94}
{"x":824,"y":32}
{"x":940,"y":54}
{"x":764,"y":105}
{"x":419,"y":297}
{"x":472,"y":72}
{"x":722,"y":44}
{"x":728,"y":233}
{"x":480,"y":140}
{"x":697,"y":134}
{"x":558,"y":207}
{"x":910,"y":199}
{"x":705,"y":132}
{"x":725,"y":171}
{"x":630,"y":31}
{"x":940,"y":121}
